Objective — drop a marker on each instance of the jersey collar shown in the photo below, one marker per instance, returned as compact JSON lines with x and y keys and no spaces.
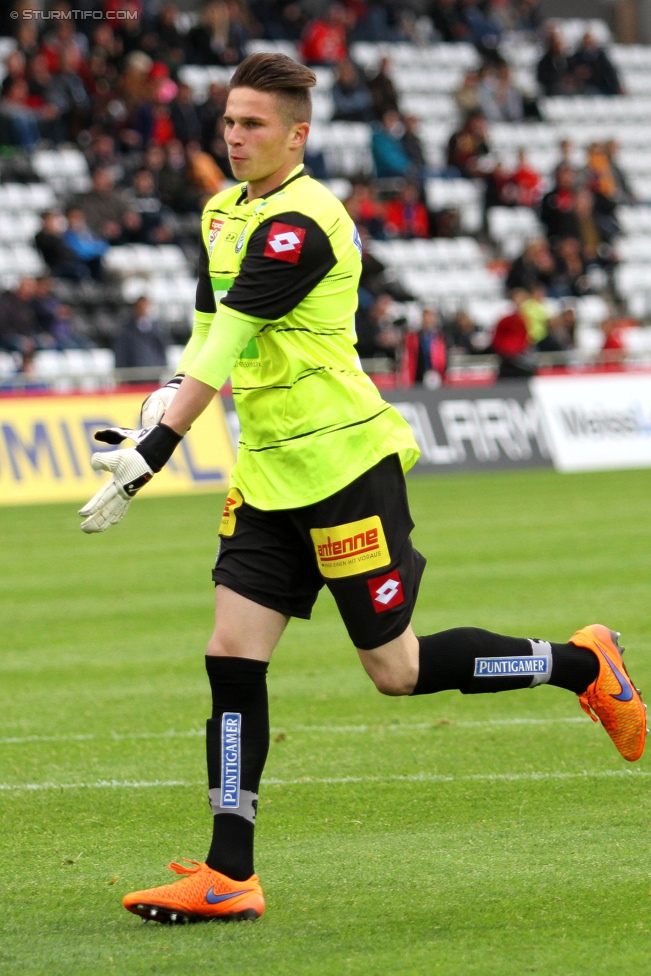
{"x":297,"y":172}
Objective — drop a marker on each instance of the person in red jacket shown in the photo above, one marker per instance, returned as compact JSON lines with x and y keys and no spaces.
{"x":511,"y":341}
{"x":406,"y":216}
{"x":324,"y":40}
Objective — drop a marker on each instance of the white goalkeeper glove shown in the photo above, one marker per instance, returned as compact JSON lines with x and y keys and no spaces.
{"x":131,"y":467}
{"x":158,"y":402}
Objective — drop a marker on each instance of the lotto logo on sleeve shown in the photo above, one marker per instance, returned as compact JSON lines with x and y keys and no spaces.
{"x":386,"y":591}
{"x":284,"y":242}
{"x":352,"y":548}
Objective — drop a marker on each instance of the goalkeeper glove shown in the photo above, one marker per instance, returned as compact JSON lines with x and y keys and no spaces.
{"x":158,"y":402}
{"x":131,"y":468}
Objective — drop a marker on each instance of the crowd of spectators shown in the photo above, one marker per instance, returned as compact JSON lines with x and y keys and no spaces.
{"x":112,"y":87}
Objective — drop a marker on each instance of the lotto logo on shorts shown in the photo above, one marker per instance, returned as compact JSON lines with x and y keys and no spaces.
{"x":231,"y":727}
{"x":215,"y":227}
{"x":284,"y":242}
{"x":229,"y":518}
{"x":386,"y":591}
{"x":352,"y":548}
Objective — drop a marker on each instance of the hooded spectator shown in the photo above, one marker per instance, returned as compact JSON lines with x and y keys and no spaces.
{"x":351,"y":98}
{"x":593,"y":70}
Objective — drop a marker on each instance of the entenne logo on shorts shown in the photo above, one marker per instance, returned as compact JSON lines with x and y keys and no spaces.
{"x":355,"y":547}
{"x":284,"y":242}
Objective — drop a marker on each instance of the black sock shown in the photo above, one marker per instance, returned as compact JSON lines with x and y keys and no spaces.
{"x":237,"y":738}
{"x":465,"y":659}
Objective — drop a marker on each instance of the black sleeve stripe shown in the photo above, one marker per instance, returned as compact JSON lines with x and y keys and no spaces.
{"x":205,"y":299}
{"x":274,"y":280}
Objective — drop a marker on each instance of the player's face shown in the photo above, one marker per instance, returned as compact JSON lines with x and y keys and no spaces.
{"x":260,"y":142}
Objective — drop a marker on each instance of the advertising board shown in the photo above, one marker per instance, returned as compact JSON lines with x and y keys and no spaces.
{"x":46,"y":443}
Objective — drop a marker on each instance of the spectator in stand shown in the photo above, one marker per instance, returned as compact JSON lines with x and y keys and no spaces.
{"x":64,"y":47}
{"x":280,"y":20}
{"x":42,"y":99}
{"x":325,"y":40}
{"x":605,"y":194}
{"x":22,"y":120}
{"x":537,"y":315}
{"x":375,"y":278}
{"x":389,"y":156}
{"x":468,"y":145}
{"x":141,"y":342}
{"x":511,"y":342}
{"x":557,"y":210}
{"x":351,"y":98}
{"x":570,"y":270}
{"x":203,"y":173}
{"x":26,"y":35}
{"x":527,"y":181}
{"x":594,"y":72}
{"x":184,"y":116}
{"x":217,"y":39}
{"x":170,"y":43}
{"x":431,"y":359}
{"x":483,"y":30}
{"x":102,"y":154}
{"x":413,"y":147}
{"x":499,"y":189}
{"x":467,"y":97}
{"x":19,"y":329}
{"x":55,"y":319}
{"x":499,"y":100}
{"x":624,"y":194}
{"x":15,"y":66}
{"x":366,"y":212}
{"x":174,"y":186}
{"x":448,"y":20}
{"x":613,"y":348}
{"x":375,"y":337}
{"x":211,"y":113}
{"x":83,"y":243}
{"x":554,"y":72}
{"x":105,"y":208}
{"x":406,"y":216}
{"x":154,"y":225}
{"x":595,"y":232}
{"x":560,"y":337}
{"x":69,"y":95}
{"x":382,"y":89}
{"x":59,"y":257}
{"x":462,"y":336}
{"x":535,"y":266}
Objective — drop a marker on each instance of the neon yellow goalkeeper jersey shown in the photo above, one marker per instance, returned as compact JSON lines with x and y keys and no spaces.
{"x":281,"y":272}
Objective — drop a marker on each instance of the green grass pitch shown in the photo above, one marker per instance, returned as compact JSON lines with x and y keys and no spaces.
{"x":497,"y":835}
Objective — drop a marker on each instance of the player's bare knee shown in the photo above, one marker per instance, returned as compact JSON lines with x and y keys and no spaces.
{"x":392,"y":684}
{"x":223,"y":644}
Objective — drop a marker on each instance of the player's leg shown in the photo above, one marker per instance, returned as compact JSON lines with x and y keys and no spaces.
{"x":263,"y":576}
{"x":475,"y":661}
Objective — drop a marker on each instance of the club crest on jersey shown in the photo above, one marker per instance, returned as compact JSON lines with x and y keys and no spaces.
{"x":386,"y":591}
{"x":240,"y":241}
{"x":352,"y":548}
{"x":215,"y":227}
{"x":357,"y":240}
{"x":284,"y":242}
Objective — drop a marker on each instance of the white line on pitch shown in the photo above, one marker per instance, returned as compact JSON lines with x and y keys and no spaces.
{"x":328,"y":729}
{"x":336,"y":780}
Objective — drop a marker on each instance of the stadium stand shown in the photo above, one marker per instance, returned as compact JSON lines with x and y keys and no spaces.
{"x":477,"y":226}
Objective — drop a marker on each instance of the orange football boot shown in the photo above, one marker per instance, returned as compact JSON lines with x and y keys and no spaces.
{"x":202,"y":895}
{"x":612,"y":697}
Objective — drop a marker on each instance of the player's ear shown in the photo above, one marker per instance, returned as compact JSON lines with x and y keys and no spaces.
{"x":299,"y":135}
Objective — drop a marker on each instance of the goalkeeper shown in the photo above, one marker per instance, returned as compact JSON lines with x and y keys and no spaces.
{"x":318,"y":492}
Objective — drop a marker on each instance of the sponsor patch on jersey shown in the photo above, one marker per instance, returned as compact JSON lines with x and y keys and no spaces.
{"x":386,"y":591}
{"x":215,"y":228}
{"x":352,"y":548}
{"x":231,"y":760}
{"x":510,"y":667}
{"x":284,"y":242}
{"x":229,"y":518}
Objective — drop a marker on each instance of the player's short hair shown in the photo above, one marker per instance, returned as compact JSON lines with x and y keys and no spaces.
{"x":282,"y":76}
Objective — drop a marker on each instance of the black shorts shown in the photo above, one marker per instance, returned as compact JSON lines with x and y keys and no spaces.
{"x":356,"y":542}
